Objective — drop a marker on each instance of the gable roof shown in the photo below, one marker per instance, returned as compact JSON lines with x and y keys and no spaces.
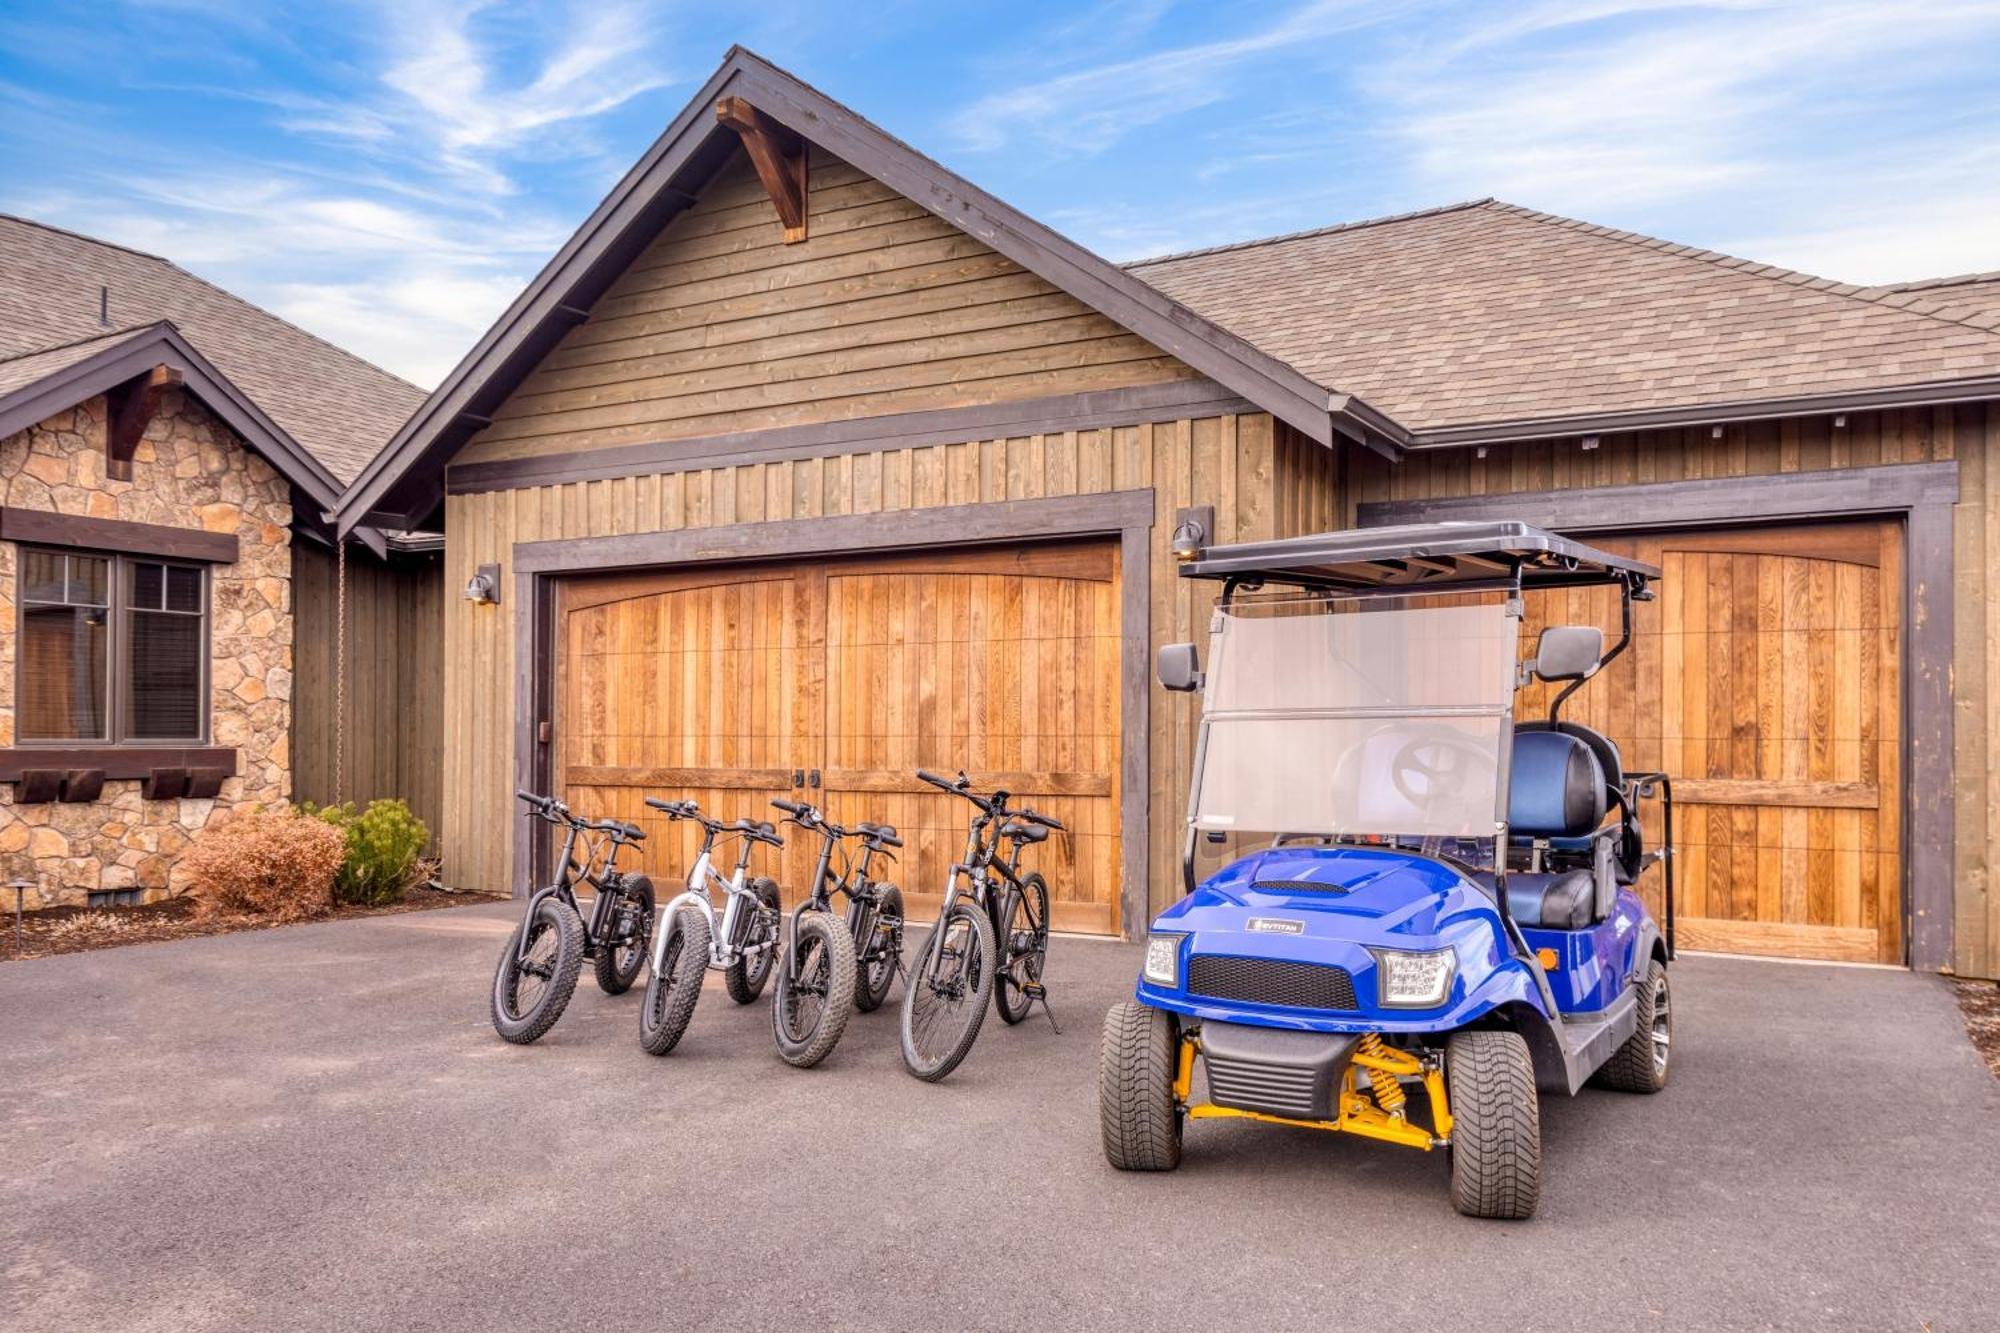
{"x":403,"y":484}
{"x":1488,"y":321}
{"x":325,"y":410}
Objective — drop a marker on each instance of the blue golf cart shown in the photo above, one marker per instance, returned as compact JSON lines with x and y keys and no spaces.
{"x":1424,"y":910}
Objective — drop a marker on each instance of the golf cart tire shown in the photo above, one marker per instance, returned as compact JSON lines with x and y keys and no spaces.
{"x":744,"y":982}
{"x":664,"y":1018}
{"x":1140,"y":1124}
{"x":560,"y":917}
{"x":1496,"y":1136}
{"x":611,"y":978}
{"x":1631,"y":1067}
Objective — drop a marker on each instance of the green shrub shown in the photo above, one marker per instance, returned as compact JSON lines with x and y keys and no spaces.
{"x":383,"y":844}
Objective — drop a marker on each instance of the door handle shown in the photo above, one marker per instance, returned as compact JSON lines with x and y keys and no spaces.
{"x":798,"y":777}
{"x":813,"y":780}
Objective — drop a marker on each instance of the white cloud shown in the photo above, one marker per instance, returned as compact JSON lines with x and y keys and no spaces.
{"x":1091,"y":109}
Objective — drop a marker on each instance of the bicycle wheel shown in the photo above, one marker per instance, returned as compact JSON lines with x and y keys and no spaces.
{"x":675,"y":986}
{"x":532,"y":985}
{"x":815,"y":990}
{"x":877,"y":963}
{"x":746,"y":976}
{"x":1024,"y":947}
{"x":945,"y":999}
{"x":620,"y":958}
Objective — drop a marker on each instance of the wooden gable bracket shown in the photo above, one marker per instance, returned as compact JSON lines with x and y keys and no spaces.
{"x":779,"y":157}
{"x":128,"y":408}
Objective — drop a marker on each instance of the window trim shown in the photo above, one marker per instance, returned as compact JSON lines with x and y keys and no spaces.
{"x":118,"y":610}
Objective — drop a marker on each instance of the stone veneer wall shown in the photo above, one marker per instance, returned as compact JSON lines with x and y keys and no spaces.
{"x":189,"y":469}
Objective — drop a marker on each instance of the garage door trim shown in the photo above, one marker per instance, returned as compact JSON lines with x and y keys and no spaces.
{"x":1922,"y":496}
{"x":1127,"y":515}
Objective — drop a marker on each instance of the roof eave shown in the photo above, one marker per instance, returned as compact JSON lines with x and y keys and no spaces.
{"x":163,"y":344}
{"x":1934,"y":393}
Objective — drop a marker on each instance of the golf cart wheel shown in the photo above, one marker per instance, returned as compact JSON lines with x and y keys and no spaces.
{"x":815,"y":990}
{"x":1496,"y":1135}
{"x":1136,"y":1114}
{"x":532,"y":985}
{"x":876,"y":967}
{"x":618,"y":964}
{"x":675,"y":985}
{"x":1641,"y":1064}
{"x":1024,"y":947}
{"x":947,"y":993}
{"x":745,"y":977}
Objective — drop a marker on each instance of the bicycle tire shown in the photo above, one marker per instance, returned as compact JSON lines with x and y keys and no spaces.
{"x":1023,"y":948}
{"x":946,"y":996}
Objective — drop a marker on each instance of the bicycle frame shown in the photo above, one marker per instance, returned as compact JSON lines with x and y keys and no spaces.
{"x":605,"y":880}
{"x":863,"y":910}
{"x":738,"y":899}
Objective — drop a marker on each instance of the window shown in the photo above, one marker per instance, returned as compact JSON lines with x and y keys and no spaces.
{"x":113,"y":649}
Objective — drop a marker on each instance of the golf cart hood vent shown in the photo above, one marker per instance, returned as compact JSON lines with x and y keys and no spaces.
{"x":1298,"y":886}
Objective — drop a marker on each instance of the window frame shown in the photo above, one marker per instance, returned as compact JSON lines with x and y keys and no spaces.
{"x":120,"y":574}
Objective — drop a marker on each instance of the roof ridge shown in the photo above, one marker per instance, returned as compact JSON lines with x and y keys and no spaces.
{"x":1923,"y":284}
{"x":1332,"y":229}
{"x":1775,"y":272}
{"x":121,"y":331}
{"x":39,"y":225}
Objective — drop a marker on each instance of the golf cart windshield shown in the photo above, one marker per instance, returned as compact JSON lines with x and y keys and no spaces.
{"x":1340,"y":716}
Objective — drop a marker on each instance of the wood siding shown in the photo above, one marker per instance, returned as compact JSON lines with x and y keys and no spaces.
{"x":394,"y":718}
{"x":1226,"y":461}
{"x":1968,"y":434}
{"x":718,"y":326}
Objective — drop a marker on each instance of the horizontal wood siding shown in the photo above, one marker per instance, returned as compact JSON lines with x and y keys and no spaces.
{"x":1226,"y":461}
{"x":394,"y":717}
{"x":719,"y":326}
{"x":1309,"y":492}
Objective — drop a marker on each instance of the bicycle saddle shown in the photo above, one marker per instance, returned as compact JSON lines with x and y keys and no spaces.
{"x":1024,"y":832}
{"x":884,"y":834}
{"x":758,"y":829}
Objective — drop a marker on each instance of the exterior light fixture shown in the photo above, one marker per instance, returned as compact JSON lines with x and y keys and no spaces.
{"x":1589,"y":442}
{"x":483,"y":588}
{"x":1192,"y":527}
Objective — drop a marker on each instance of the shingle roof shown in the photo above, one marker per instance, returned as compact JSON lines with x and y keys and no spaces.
{"x":1970,"y":298}
{"x":337,"y":407}
{"x":1486,"y":312}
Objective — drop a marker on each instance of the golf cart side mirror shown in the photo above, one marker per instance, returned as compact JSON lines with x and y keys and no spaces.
{"x":1178,"y":667}
{"x":1569,"y":652}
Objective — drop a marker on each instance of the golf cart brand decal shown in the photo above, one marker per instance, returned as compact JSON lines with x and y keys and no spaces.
{"x":1277,"y":925}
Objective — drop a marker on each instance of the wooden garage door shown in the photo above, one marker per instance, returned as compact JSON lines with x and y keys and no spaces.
{"x":1766,"y":679}
{"x":835,"y":682}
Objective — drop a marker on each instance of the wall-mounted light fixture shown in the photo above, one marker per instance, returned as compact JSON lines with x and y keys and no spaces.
{"x":1589,"y":442}
{"x":1192,"y":528}
{"x":483,"y":588}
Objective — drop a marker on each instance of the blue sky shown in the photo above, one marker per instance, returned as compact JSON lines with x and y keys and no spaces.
{"x":389,"y":174}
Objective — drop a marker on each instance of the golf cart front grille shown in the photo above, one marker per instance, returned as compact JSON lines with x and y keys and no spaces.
{"x":1271,"y":981}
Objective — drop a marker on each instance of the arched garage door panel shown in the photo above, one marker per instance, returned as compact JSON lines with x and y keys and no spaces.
{"x":1766,"y":678}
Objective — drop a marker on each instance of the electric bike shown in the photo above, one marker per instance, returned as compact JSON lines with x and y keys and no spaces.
{"x":539,"y":965}
{"x":874,"y":911}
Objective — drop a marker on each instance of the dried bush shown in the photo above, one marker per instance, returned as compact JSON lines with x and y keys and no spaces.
{"x":277,"y":864}
{"x":383,"y":843}
{"x":90,"y":924}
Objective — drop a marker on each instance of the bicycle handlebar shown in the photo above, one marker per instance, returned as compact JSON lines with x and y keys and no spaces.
{"x":1036,"y":817}
{"x":798,"y":808}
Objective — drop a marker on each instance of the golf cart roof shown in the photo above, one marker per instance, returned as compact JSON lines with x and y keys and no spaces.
{"x":1421,"y":555}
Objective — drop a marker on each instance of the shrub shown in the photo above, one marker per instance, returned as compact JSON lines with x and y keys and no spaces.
{"x":383,"y":844}
{"x":274,"y":863}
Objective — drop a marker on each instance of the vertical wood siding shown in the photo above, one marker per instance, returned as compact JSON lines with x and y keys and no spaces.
{"x":1312,"y":489}
{"x":394,"y":718}
{"x":886,"y":308}
{"x":1226,"y":461}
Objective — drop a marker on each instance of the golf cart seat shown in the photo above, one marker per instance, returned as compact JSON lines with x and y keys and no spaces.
{"x":1627,"y":855}
{"x":1557,"y":794}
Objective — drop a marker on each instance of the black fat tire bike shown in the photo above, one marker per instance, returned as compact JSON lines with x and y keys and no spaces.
{"x":874,"y":909}
{"x":539,"y":965}
{"x":987,"y":942}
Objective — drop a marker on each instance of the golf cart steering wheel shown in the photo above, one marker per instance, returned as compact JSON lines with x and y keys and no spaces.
{"x":1434,"y":759}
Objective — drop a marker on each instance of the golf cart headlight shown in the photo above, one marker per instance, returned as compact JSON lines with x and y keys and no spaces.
{"x":1415,"y":980}
{"x":1163,"y":959}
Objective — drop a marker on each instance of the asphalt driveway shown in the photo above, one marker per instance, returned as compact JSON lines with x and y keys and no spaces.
{"x":316,"y":1128}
